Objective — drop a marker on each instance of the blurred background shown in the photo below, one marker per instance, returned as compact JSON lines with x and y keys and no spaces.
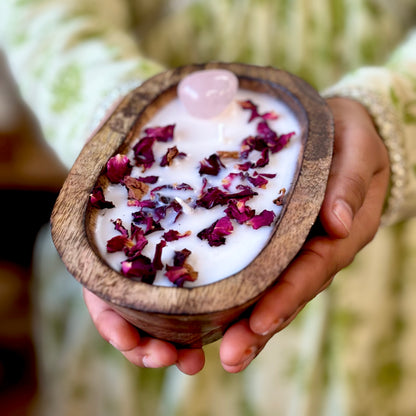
{"x":30,"y":179}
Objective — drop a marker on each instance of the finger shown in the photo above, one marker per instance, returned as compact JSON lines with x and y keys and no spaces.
{"x":352,"y":169}
{"x":239,"y":346}
{"x":152,"y":353}
{"x":191,"y":361}
{"x":141,"y":351}
{"x":110,"y":325}
{"x":315,"y":266}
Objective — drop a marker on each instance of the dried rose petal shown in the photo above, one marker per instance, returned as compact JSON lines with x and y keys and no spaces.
{"x":148,"y":179}
{"x":118,"y":225}
{"x":132,"y":246}
{"x":239,"y":211}
{"x":181,"y":256}
{"x":249,"y":144}
{"x":136,"y":188}
{"x":244,"y":166}
{"x":215,"y":196}
{"x":263,"y":160}
{"x":274,"y":142}
{"x":282,"y":141}
{"x":180,"y":187}
{"x":224,"y":154}
{"x":280,"y":199}
{"x":152,"y":225}
{"x":161,"y":133}
{"x":249,"y":105}
{"x":260,"y":179}
{"x":215,"y":234}
{"x":141,"y":269}
{"x":143,"y":152}
{"x":116,"y":243}
{"x":146,"y":203}
{"x":265,"y":133}
{"x":170,"y":154}
{"x":133,"y":250}
{"x":265,"y":218}
{"x":178,"y":275}
{"x":230,"y":178}
{"x":118,"y":167}
{"x":157,"y":260}
{"x":97,"y":199}
{"x":270,"y":115}
{"x":173,"y":235}
{"x":211,"y":165}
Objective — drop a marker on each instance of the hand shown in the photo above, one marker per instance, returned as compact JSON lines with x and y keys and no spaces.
{"x":141,"y":351}
{"x":350,"y":215}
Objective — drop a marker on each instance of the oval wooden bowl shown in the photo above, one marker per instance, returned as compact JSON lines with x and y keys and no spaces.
{"x":197,"y":316}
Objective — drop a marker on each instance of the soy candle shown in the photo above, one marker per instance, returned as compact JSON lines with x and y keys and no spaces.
{"x":202,"y":187}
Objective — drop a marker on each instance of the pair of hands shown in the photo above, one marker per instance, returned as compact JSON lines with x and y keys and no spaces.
{"x":350,"y":216}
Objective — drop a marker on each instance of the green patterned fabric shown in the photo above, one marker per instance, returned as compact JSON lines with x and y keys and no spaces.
{"x":351,"y":351}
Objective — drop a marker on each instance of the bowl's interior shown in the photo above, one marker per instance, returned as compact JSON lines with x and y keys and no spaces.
{"x":73,"y":220}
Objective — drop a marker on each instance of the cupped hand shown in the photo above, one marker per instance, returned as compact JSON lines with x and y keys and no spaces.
{"x":142,"y":351}
{"x":350,"y":216}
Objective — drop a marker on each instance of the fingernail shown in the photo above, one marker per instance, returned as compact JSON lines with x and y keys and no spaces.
{"x":249,"y":355}
{"x":344,"y":214}
{"x":150,"y":362}
{"x":269,"y":329}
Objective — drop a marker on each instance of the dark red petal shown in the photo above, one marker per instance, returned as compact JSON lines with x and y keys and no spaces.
{"x":258,"y":181}
{"x":140,"y":269}
{"x":178,"y":275}
{"x":265,"y":218}
{"x":266,"y":133}
{"x":239,"y":211}
{"x":116,"y":243}
{"x":157,"y":259}
{"x":229,"y":179}
{"x":136,"y":233}
{"x":97,"y":199}
{"x":181,"y":256}
{"x":170,"y":154}
{"x":148,"y":179}
{"x":281,"y":142}
{"x":161,"y":133}
{"x":143,"y":152}
{"x":263,"y":160}
{"x":215,"y":196}
{"x":249,"y":105}
{"x":173,"y":235}
{"x":118,"y":167}
{"x":211,"y":165}
{"x":244,"y":166}
{"x":118,"y":225}
{"x":215,"y":234}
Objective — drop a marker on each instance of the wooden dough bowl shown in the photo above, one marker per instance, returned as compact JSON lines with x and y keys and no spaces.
{"x":197,"y":316}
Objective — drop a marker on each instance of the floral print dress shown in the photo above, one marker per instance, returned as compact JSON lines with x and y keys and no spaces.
{"x":351,"y":351}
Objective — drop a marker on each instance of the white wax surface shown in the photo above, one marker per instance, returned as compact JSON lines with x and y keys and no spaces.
{"x":199,"y":138}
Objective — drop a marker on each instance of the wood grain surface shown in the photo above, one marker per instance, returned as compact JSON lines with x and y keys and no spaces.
{"x":193,"y":317}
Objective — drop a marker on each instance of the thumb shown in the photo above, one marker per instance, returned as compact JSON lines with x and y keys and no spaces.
{"x":359,"y":155}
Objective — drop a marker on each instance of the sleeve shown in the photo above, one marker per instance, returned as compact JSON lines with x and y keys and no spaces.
{"x":389,"y":94}
{"x":67,"y":58}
